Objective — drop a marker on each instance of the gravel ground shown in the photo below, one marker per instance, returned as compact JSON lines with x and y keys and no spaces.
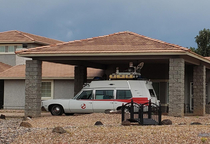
{"x":81,"y":129}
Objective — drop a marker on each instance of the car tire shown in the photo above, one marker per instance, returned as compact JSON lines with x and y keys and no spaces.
{"x":69,"y":114}
{"x":56,"y":110}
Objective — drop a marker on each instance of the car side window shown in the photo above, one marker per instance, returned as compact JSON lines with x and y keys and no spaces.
{"x":123,"y":94}
{"x":104,"y":94}
{"x":85,"y":95}
{"x":151,"y":91}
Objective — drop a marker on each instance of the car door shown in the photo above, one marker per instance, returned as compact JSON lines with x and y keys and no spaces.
{"x":123,"y":96}
{"x":82,"y":103}
{"x":104,"y":99}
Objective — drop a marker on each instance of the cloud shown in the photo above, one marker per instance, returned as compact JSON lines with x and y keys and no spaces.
{"x":173,"y":21}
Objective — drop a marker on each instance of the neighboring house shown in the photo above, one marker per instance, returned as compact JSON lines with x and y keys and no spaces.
{"x":57,"y":82}
{"x":10,"y":41}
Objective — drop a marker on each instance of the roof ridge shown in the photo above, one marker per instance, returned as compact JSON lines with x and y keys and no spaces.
{"x":24,"y":35}
{"x":159,"y":41}
{"x":41,"y":36}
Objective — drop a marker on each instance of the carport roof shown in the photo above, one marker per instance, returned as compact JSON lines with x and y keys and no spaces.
{"x":121,"y":47}
{"x":121,"y":42}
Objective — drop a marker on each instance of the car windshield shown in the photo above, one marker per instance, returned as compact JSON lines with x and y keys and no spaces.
{"x":87,"y":94}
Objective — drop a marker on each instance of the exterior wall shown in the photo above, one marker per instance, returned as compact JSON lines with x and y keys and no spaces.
{"x":9,"y":59}
{"x":14,"y":94}
{"x":21,"y":60}
{"x":63,"y":89}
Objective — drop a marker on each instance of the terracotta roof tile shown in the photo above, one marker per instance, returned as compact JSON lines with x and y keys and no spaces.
{"x":49,"y":71}
{"x":21,"y":37}
{"x":121,"y":42}
{"x":4,"y":67}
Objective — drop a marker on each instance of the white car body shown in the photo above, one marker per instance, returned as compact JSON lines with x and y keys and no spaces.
{"x":103,"y":95}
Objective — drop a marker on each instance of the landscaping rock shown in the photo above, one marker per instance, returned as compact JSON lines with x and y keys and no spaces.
{"x":182,"y":123}
{"x":2,"y":116}
{"x":59,"y":130}
{"x":195,"y":123}
{"x":98,"y":123}
{"x":25,"y":124}
{"x":166,"y":122}
{"x":126,"y":123}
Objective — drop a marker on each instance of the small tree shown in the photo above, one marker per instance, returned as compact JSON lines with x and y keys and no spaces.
{"x":203,"y":42}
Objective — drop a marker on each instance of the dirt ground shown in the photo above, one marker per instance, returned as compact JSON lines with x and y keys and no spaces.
{"x":82,"y":129}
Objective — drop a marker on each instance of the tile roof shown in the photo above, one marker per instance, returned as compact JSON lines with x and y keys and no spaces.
{"x":121,"y":42}
{"x":22,"y":37}
{"x":49,"y":71}
{"x":207,"y":58}
{"x":4,"y":67}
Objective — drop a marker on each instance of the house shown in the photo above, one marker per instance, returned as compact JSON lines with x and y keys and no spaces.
{"x":13,"y":40}
{"x":57,"y":82}
{"x":180,"y":76}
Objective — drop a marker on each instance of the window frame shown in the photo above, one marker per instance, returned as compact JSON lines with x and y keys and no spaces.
{"x":124,"y":90}
{"x":52,"y":90}
{"x":8,"y":46}
{"x":113,"y":93}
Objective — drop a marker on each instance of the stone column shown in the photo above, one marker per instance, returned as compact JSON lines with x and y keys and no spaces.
{"x":199,"y":90}
{"x":33,"y":88}
{"x":80,"y":77}
{"x":176,"y":86}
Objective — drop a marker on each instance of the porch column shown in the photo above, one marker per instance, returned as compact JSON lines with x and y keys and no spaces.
{"x":199,"y":90}
{"x":176,"y":86}
{"x":33,"y":88}
{"x":80,"y":77}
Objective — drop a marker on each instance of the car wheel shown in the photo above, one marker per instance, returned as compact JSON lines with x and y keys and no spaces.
{"x":56,"y":110}
{"x":68,"y":114}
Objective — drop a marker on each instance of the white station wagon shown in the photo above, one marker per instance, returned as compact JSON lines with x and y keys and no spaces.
{"x":99,"y":96}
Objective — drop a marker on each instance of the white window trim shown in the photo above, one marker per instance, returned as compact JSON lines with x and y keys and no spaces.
{"x":52,"y":90}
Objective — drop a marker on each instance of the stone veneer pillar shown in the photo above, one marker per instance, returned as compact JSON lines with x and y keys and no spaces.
{"x":80,"y":77}
{"x":176,"y":86}
{"x":33,"y":88}
{"x":199,"y":90}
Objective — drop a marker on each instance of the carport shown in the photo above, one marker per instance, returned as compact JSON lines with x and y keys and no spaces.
{"x":163,"y":62}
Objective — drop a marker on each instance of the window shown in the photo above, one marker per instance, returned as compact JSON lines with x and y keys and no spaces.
{"x":11,"y":49}
{"x":104,"y":94}
{"x":2,"y":48}
{"x":124,"y":94}
{"x":46,"y":90}
{"x":152,"y":93}
{"x":85,"y":95}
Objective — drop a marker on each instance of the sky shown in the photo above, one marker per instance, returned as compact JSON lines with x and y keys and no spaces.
{"x":172,"y":21}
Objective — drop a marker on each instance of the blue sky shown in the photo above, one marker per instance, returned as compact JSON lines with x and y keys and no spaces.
{"x":173,"y":21}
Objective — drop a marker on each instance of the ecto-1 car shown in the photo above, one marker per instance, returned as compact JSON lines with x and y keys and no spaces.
{"x":99,"y":96}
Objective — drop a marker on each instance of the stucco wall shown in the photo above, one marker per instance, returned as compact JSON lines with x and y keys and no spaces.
{"x":63,"y":89}
{"x":14,"y":94}
{"x":9,"y":59}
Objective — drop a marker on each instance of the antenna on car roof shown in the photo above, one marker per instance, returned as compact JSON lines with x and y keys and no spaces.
{"x":139,"y":67}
